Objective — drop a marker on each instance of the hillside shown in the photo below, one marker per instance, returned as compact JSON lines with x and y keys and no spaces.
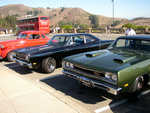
{"x":76,"y":15}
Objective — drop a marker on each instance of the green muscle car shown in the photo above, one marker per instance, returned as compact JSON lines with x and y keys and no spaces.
{"x":124,"y":67}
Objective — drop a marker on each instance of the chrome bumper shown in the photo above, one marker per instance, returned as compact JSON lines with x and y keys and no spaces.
{"x":23,"y":63}
{"x":93,"y":83}
{"x":1,"y":57}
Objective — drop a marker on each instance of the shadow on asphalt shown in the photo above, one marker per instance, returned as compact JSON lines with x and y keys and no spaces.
{"x":78,"y":91}
{"x":141,"y":106}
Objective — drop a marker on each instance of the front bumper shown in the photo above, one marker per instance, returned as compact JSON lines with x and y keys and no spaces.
{"x":93,"y":83}
{"x":23,"y":63}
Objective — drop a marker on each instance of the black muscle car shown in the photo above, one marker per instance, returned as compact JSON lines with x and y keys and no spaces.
{"x":50,"y":55}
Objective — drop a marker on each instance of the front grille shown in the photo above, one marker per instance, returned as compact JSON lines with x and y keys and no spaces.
{"x":21,"y":56}
{"x":91,"y":72}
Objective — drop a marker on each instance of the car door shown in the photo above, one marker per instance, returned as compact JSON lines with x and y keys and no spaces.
{"x":91,"y":43}
{"x":76,"y":45}
{"x":33,"y":39}
{"x":42,"y":39}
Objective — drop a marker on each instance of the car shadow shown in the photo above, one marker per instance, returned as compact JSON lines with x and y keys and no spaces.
{"x":19,"y":69}
{"x":23,"y":70}
{"x":75,"y":89}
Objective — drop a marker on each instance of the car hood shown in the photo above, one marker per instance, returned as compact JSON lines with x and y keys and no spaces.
{"x":12,"y":42}
{"x":107,"y":60}
{"x":36,"y":49}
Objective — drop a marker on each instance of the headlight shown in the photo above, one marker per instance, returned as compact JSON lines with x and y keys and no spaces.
{"x":1,"y":46}
{"x":114,"y":77}
{"x":27,"y":57}
{"x":69,"y":65}
{"x":111,"y":76}
{"x":107,"y":75}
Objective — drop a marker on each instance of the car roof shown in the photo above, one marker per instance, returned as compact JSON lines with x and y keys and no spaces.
{"x":73,"y":34}
{"x":32,"y":31}
{"x":139,"y":37}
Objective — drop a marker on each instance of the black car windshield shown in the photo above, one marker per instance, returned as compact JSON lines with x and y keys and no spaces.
{"x":58,"y":41}
{"x":22,"y":36}
{"x":137,"y":44}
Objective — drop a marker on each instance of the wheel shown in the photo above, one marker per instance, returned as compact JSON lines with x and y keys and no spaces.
{"x":135,"y":96}
{"x":9,"y":56}
{"x":48,"y":65}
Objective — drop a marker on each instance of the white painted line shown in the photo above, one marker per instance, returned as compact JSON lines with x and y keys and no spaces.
{"x":117,"y":103}
{"x":110,"y":106}
{"x":49,"y":77}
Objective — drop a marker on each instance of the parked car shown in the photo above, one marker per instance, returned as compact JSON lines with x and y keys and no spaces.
{"x":49,"y":55}
{"x":122,"y":68}
{"x":24,"y":39}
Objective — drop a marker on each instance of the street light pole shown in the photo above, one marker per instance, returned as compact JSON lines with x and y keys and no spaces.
{"x":113,"y":13}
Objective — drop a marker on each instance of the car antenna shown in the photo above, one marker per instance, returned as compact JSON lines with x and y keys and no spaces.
{"x":99,"y":44}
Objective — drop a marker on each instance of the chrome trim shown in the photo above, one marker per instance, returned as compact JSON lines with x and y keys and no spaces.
{"x":93,"y":83}
{"x":1,"y":57}
{"x":22,"y":63}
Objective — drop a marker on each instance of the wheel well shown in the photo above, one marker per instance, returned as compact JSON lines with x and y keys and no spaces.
{"x":146,"y":79}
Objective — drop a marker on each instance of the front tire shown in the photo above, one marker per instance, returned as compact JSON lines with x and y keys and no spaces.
{"x":135,"y":96}
{"x":48,"y":65}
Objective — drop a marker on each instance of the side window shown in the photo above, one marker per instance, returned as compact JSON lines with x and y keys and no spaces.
{"x":31,"y":36}
{"x":36,"y":36}
{"x":78,"y":40}
{"x":88,"y":39}
{"x":120,"y":43}
{"x":43,"y":36}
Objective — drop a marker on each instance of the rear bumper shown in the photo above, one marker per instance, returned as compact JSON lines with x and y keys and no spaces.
{"x":93,"y":83}
{"x":23,"y":63}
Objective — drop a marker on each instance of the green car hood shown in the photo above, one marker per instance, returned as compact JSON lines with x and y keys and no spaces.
{"x":107,"y":60}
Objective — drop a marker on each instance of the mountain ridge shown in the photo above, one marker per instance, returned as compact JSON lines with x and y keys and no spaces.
{"x":76,"y":15}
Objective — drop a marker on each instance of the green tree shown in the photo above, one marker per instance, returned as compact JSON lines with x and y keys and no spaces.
{"x":130,"y":25}
{"x":94,"y":21}
{"x":36,"y":12}
{"x":29,"y":13}
{"x":67,"y":26}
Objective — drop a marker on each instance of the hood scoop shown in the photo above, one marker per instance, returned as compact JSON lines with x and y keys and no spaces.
{"x":119,"y":60}
{"x":94,"y":54}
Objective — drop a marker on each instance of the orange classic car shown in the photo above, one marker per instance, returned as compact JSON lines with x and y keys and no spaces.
{"x":24,"y":39}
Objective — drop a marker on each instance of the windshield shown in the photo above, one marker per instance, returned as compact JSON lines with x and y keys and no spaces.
{"x":131,"y":44}
{"x":22,"y":36}
{"x":58,"y":41}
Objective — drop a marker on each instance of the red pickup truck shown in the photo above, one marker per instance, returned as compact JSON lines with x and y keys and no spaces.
{"x":24,"y":39}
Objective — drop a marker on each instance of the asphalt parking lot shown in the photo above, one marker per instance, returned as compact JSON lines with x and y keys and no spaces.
{"x":79,"y":98}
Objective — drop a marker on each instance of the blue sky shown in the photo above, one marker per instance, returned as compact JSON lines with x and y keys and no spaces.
{"x":122,"y":8}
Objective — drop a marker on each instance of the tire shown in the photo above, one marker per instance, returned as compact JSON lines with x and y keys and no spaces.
{"x":9,"y":56}
{"x":48,"y":65}
{"x":135,"y":96}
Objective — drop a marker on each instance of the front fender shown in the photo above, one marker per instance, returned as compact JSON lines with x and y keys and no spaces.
{"x":128,"y":76}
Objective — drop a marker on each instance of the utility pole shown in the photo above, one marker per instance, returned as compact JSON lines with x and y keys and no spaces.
{"x":113,"y":13}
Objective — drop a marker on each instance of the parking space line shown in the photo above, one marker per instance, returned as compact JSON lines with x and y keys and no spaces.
{"x":117,"y":103}
{"x":110,"y":106}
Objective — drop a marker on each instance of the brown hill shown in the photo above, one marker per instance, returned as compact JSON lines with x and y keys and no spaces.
{"x":76,"y":15}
